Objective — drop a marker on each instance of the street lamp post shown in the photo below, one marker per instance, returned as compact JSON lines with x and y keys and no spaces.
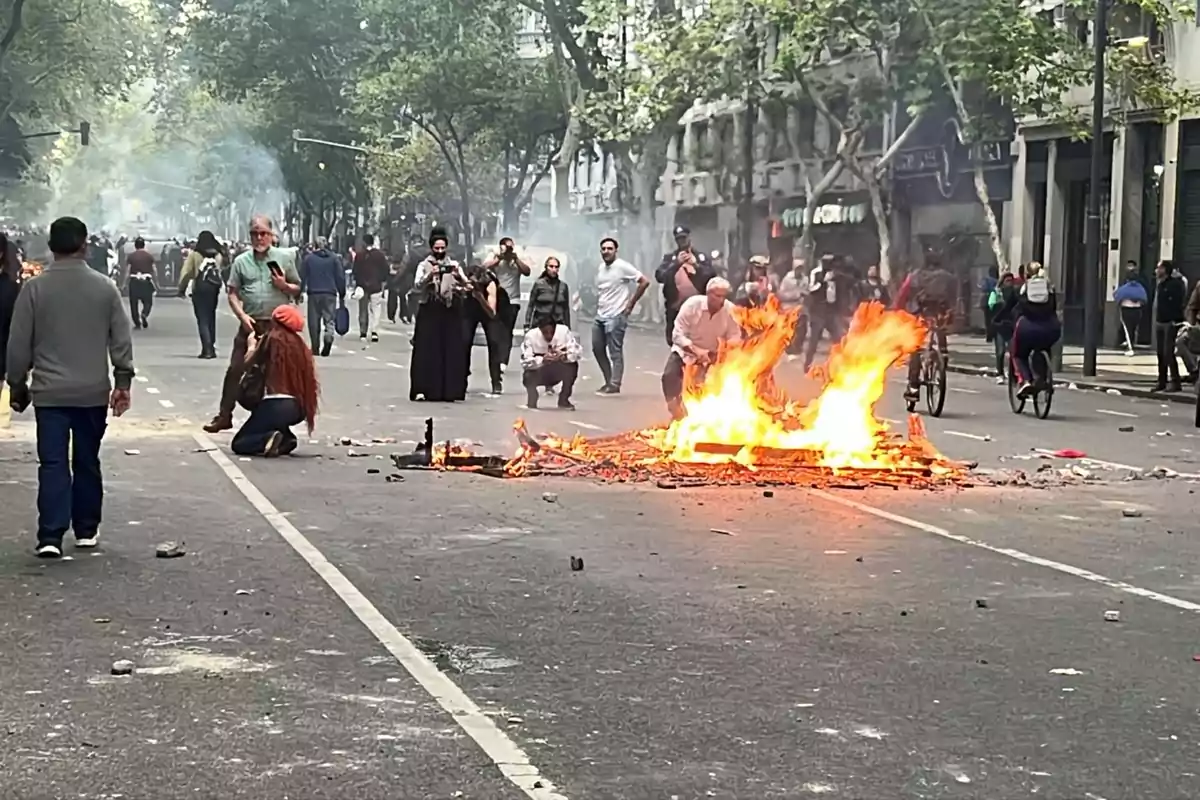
{"x":1094,"y":253}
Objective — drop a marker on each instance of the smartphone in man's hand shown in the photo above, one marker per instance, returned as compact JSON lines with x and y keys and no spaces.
{"x":276,"y":270}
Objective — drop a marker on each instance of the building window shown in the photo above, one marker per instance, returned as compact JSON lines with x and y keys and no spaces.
{"x":702,"y":145}
{"x":777,"y":132}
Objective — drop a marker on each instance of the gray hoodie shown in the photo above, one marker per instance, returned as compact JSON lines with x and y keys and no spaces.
{"x":66,"y":325}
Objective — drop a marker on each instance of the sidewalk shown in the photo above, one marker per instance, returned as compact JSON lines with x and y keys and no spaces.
{"x":1131,"y":375}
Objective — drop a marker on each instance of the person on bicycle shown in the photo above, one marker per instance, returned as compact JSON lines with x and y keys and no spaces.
{"x":1037,"y":326}
{"x":928,"y":293}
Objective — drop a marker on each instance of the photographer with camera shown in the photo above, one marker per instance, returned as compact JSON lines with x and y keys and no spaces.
{"x":439,"y":367}
{"x":509,"y":266}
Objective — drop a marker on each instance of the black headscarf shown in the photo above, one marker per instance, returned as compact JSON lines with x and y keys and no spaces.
{"x":206,"y":244}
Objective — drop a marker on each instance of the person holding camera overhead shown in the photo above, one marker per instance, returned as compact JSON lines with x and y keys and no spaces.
{"x":509,"y":266}
{"x":260,"y":280}
{"x":438,"y":369}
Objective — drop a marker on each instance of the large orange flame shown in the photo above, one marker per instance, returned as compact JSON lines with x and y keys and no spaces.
{"x":737,"y":403}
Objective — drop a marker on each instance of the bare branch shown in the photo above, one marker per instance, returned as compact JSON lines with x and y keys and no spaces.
{"x":900,"y":141}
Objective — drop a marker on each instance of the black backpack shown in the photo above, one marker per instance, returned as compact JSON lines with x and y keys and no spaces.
{"x":209,"y":272}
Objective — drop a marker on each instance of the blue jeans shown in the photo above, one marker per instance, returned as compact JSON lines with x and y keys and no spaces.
{"x":608,"y":346}
{"x":1031,"y":335}
{"x":272,"y":415}
{"x":70,"y":495}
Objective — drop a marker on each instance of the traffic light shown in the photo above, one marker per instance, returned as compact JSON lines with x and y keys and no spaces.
{"x":85,"y":132}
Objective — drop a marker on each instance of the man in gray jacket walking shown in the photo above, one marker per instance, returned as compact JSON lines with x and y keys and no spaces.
{"x":67,"y":324}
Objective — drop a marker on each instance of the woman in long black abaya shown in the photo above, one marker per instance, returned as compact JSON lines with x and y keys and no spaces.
{"x":438,"y":369}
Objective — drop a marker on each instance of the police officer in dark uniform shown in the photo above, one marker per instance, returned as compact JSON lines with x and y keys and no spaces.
{"x":697,"y":270}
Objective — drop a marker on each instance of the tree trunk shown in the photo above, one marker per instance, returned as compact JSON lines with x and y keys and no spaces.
{"x":813,"y":195}
{"x":981,"y":191}
{"x":468,"y":228}
{"x":882,"y":229}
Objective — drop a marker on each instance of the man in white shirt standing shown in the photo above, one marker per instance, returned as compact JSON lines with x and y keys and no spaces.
{"x":703,"y":323}
{"x":619,"y":287}
{"x":550,"y":356}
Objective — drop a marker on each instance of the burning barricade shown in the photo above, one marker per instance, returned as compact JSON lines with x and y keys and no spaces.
{"x":740,"y":427}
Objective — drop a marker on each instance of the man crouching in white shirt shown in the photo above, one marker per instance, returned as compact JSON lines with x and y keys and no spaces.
{"x":703,"y":323}
{"x":550,"y":356}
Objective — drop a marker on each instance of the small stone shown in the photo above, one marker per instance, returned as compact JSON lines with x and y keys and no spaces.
{"x":550,"y":497}
{"x":244,"y":591}
{"x":352,"y":453}
{"x":169,"y":550}
{"x":904,"y":613}
{"x":417,"y":578}
{"x":741,"y":586}
{"x":981,"y":603}
{"x":1072,"y":386}
{"x":859,"y":559}
{"x":133,"y":452}
{"x":768,"y":493}
{"x":1112,"y":616}
{"x":345,"y":440}
{"x":1114,"y":392}
{"x":373,"y":471}
{"x":515,"y":721}
{"x":1131,"y":513}
{"x":1126,"y":429}
{"x":102,"y":620}
{"x":576,"y":564}
{"x":122,"y":667}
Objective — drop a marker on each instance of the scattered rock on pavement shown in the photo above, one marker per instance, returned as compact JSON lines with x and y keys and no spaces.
{"x":768,"y":493}
{"x":576,"y":564}
{"x":133,"y":452}
{"x":395,"y":478}
{"x":373,"y":471}
{"x":352,"y":453}
{"x":1114,"y":392}
{"x":515,"y":721}
{"x":981,"y":603}
{"x":169,"y":550}
{"x":1112,"y":616}
{"x":550,"y":497}
{"x":1131,"y":513}
{"x":122,"y":667}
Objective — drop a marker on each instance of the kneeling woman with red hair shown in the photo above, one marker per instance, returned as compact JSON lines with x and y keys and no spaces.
{"x":280,"y":387}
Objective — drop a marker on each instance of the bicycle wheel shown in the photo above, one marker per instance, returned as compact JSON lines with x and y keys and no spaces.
{"x":1017,"y":404}
{"x":935,"y":382}
{"x":1044,"y":395}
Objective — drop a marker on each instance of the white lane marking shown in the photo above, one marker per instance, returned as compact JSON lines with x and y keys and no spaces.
{"x":510,"y":759}
{"x":166,"y":403}
{"x":151,"y":390}
{"x":974,"y":436}
{"x":1096,"y":462}
{"x":963,"y":391}
{"x":1018,"y":555}
{"x":1112,"y":413}
{"x":372,"y":358}
{"x":141,"y":378}
{"x":587,"y":425}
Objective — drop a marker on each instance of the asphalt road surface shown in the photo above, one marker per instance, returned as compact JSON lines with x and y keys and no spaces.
{"x":332,"y":635}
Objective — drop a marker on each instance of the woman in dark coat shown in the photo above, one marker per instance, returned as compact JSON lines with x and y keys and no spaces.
{"x":486,"y":306}
{"x":10,"y":287}
{"x":438,"y":370}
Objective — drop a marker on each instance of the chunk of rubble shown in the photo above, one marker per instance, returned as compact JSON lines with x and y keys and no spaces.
{"x":1131,"y":513}
{"x":169,"y":550}
{"x":122,"y":667}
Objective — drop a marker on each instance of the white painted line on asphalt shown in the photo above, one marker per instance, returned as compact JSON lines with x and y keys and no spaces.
{"x":151,"y":390}
{"x":1018,"y":555}
{"x":1112,"y":413}
{"x":510,"y":759}
{"x":587,"y":425}
{"x":141,"y":378}
{"x":1096,"y":462}
{"x":974,"y":436}
{"x":963,"y":391}
{"x":372,"y":358}
{"x":166,"y":403}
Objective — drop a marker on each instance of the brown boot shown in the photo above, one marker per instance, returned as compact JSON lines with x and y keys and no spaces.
{"x":218,"y":424}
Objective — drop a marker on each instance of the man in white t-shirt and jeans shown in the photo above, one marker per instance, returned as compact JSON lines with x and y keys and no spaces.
{"x":619,"y":286}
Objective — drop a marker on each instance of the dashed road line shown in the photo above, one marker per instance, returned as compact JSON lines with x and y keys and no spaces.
{"x":1017,"y":555}
{"x":504,"y":753}
{"x":960,"y":390}
{"x":141,"y":379}
{"x":166,"y":403}
{"x":965,"y":435}
{"x":587,"y":425}
{"x":151,"y":390}
{"x":372,"y":358}
{"x":1112,"y":413}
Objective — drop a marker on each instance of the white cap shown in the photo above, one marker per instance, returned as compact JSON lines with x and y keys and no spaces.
{"x":717,"y":283}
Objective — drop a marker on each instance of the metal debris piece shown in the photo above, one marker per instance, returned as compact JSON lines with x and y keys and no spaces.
{"x":576,"y":564}
{"x":395,"y":478}
{"x":722,"y":531}
{"x":169,"y":550}
{"x":1112,"y":616}
{"x":550,"y":497}
{"x":133,"y":452}
{"x":122,"y":667}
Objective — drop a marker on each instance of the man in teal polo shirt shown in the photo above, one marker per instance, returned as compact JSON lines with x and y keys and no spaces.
{"x":260,"y":280}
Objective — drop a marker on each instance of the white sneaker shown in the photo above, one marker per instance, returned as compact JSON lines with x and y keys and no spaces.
{"x":503,"y":368}
{"x":1129,"y":353}
{"x":48,"y":550}
{"x":1001,"y":380}
{"x":88,"y":542}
